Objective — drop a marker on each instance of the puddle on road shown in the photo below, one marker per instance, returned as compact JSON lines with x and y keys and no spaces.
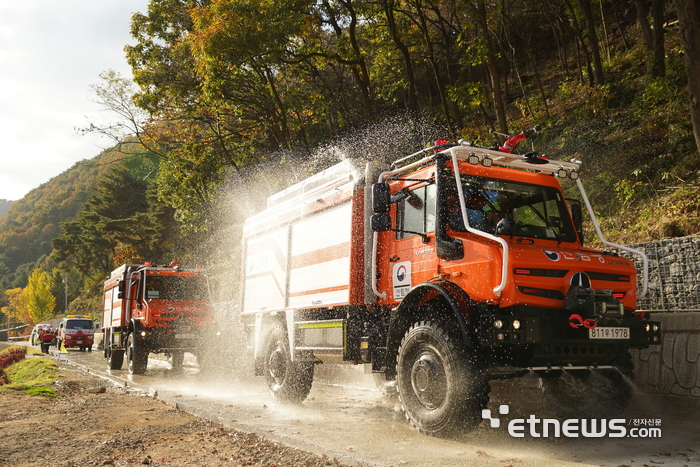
{"x":354,"y":418}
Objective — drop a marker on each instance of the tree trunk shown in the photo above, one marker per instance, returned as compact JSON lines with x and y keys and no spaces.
{"x":593,"y":41}
{"x":357,"y":65}
{"x":388,"y":6}
{"x":362,"y":70}
{"x":658,"y":47}
{"x":580,"y":42}
{"x":642,"y":16}
{"x":421,"y":20}
{"x":689,"y":18}
{"x":653,"y":37}
{"x":493,"y":70}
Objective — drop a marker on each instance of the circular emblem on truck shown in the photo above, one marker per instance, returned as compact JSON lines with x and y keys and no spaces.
{"x":401,"y":273}
{"x":581,"y":279}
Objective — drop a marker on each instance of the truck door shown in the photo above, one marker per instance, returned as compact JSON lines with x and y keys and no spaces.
{"x":135,"y":295}
{"x":412,"y":260}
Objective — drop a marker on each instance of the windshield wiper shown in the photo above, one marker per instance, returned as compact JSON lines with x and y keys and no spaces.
{"x":546,"y":221}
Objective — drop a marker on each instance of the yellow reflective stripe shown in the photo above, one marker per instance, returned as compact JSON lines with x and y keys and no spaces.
{"x":320,"y":325}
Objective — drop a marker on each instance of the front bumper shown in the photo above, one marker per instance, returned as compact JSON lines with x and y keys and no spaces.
{"x":78,"y":341}
{"x":543,"y":341}
{"x":159,"y":339}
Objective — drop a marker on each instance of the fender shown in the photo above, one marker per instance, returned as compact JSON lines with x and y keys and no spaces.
{"x":460,"y":307}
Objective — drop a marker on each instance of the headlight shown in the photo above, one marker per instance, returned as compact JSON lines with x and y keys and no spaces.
{"x":516,"y":324}
{"x":655,"y":328}
{"x":498,"y":324}
{"x":143,"y":333}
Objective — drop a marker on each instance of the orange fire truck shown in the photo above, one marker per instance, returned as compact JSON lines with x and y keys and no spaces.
{"x":453,"y":266}
{"x":159,"y":309}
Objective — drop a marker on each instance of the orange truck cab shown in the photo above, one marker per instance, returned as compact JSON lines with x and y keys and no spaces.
{"x":159,"y":309}
{"x":453,"y":266}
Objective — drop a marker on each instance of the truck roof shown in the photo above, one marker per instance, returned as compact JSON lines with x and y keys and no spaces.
{"x":157,"y":268}
{"x":321,"y":182}
{"x":475,"y":155}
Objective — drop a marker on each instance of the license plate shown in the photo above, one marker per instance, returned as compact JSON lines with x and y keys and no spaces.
{"x":78,"y":342}
{"x":609,"y":333}
{"x":184,"y":336}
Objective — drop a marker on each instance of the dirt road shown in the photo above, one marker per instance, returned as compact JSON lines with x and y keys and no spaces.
{"x":119,"y":426}
{"x":353,"y":424}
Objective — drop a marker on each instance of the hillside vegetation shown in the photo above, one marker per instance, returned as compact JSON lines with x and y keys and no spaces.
{"x":234,"y":100}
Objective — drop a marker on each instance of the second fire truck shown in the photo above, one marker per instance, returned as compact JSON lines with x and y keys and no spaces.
{"x":159,"y":309}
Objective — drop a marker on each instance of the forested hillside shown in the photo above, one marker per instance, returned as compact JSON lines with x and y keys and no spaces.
{"x":35,"y":221}
{"x":32,"y":222}
{"x":235,"y":99}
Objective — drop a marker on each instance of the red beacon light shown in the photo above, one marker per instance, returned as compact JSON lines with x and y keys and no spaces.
{"x":440,"y":142}
{"x":174,"y":264}
{"x":198,"y":266}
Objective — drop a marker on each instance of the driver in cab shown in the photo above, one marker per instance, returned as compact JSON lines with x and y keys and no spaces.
{"x":482,"y":213}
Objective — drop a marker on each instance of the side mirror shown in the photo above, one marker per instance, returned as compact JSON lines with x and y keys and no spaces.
{"x":120,"y":287}
{"x":381,"y":199}
{"x":577,"y":217}
{"x":381,"y":222}
{"x":120,"y":295}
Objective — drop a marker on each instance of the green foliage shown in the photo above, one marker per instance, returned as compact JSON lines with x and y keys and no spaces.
{"x":27,"y":230}
{"x":90,"y":301}
{"x":225,"y":90}
{"x":39,"y":300}
{"x":122,"y":210}
{"x":34,"y":376}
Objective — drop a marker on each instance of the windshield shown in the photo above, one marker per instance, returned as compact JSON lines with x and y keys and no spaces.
{"x":176,"y":288}
{"x":507,"y":208}
{"x":79,"y":324}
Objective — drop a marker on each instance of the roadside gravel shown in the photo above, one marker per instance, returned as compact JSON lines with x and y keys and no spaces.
{"x":94,"y":423}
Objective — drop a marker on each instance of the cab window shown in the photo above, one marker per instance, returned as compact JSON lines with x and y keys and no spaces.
{"x":416,"y":211}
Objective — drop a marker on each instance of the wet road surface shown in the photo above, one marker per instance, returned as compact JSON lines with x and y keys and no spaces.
{"x":346,"y":418}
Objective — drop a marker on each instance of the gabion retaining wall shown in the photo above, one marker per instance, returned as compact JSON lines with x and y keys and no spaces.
{"x":674,"y":274}
{"x":673,"y":295}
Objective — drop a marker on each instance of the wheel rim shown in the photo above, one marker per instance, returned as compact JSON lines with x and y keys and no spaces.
{"x":277,"y":364}
{"x":429,"y":380}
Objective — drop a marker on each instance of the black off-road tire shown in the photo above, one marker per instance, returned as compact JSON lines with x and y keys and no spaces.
{"x":287,"y":380}
{"x":115,"y":359}
{"x":441,"y":385}
{"x":136,"y":356}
